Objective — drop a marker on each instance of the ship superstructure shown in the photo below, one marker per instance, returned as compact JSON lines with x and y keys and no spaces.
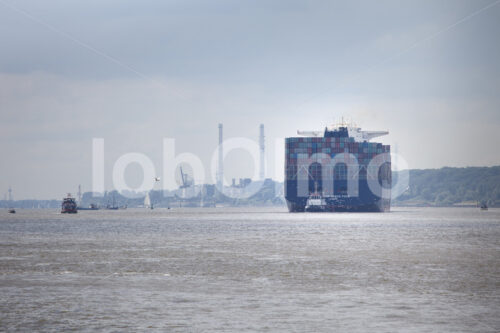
{"x":337,"y":169}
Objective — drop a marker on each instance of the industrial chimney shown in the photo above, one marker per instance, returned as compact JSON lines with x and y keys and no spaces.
{"x":262,"y":173}
{"x":220,"y":166}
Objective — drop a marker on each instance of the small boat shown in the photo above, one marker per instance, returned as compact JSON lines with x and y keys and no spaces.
{"x":147,"y":202}
{"x":315,"y":203}
{"x":68,"y":205}
{"x":113,"y":206}
{"x":90,"y":207}
{"x":484,"y":206}
{"x":11,"y":202}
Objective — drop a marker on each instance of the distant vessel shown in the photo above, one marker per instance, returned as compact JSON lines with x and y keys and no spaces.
{"x":319,"y":166}
{"x":11,"y":208}
{"x":147,"y":201}
{"x":484,"y":206}
{"x":79,"y":202}
{"x":113,"y":206}
{"x":90,"y":207}
{"x":69,"y":205}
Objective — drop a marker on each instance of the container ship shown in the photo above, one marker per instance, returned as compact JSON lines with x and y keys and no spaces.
{"x":337,"y":170}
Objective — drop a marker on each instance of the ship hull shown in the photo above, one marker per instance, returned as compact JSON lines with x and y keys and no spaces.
{"x":296,"y":206}
{"x":365,"y":201}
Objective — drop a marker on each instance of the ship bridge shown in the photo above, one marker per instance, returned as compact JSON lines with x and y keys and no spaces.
{"x":344,"y":130}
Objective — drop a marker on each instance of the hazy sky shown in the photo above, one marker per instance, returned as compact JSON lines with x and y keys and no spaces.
{"x":136,"y":72}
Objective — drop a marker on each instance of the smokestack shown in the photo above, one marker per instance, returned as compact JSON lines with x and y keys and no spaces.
{"x":262,"y":148}
{"x":79,"y":194}
{"x":220,"y":166}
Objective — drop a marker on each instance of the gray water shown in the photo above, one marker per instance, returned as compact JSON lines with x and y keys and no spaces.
{"x":251,"y":269}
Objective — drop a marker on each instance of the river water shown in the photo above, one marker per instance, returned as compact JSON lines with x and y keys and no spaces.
{"x":251,"y":269}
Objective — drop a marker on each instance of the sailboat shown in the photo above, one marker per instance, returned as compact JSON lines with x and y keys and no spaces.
{"x":113,"y":206}
{"x":11,"y":206}
{"x":147,"y":201}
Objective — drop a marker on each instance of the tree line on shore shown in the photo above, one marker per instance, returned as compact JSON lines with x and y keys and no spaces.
{"x":451,"y":187}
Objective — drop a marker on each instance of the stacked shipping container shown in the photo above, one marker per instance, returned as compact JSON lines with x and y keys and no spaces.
{"x":302,"y":149}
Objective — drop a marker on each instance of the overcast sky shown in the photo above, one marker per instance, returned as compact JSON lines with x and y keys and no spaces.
{"x":134,"y":72}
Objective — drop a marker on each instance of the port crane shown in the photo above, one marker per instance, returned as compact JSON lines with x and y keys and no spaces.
{"x":186,"y":182}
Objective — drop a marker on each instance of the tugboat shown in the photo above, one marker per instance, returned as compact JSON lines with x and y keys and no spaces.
{"x":69,"y":205}
{"x":316,"y":202}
